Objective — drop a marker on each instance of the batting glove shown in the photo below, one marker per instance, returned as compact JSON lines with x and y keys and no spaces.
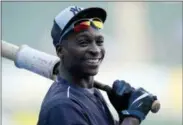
{"x":120,"y":95}
{"x":139,"y":105}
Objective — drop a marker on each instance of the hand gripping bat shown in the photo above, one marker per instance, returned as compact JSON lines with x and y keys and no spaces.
{"x":45,"y":64}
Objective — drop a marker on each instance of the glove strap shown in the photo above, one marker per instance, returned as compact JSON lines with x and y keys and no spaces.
{"x":133,"y":113}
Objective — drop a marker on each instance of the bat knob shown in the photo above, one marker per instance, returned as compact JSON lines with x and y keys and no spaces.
{"x":155,"y":106}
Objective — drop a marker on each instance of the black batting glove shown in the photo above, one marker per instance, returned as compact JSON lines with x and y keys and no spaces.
{"x":120,"y":95}
{"x":139,"y":105}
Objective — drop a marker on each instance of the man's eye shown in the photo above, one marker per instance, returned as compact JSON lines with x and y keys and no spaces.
{"x":100,"y":42}
{"x":83,"y":43}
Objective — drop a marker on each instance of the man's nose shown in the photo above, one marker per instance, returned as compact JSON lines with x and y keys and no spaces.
{"x":94,"y":49}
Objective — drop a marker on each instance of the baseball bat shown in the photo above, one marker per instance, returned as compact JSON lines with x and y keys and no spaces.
{"x":45,"y":65}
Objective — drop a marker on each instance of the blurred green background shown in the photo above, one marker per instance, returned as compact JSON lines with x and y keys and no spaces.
{"x":144,"y":47}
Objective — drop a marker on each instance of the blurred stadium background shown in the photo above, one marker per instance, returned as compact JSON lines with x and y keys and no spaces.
{"x":144,"y":47}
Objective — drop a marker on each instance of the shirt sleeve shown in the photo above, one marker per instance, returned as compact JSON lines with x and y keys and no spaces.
{"x":66,"y":114}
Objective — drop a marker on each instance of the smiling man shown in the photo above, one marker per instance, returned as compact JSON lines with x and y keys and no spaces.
{"x":72,"y":99}
{"x":82,"y":53}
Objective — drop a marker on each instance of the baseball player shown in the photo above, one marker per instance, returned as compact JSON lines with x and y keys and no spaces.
{"x":72,"y":99}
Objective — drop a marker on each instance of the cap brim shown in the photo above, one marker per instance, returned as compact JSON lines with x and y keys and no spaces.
{"x":88,"y":13}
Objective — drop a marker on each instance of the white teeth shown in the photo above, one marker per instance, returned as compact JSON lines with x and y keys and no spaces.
{"x":93,"y":60}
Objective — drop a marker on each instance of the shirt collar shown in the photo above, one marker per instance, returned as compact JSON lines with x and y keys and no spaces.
{"x":60,"y":80}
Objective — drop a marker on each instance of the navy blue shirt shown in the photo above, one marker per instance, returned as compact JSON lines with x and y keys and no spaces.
{"x":69,"y":104}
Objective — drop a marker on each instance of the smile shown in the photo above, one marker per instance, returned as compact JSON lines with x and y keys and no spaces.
{"x":93,"y":61}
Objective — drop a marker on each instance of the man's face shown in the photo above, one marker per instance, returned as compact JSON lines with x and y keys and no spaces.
{"x":83,"y":52}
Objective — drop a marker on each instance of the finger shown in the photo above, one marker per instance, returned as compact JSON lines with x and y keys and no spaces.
{"x":118,"y":87}
{"x":121,"y":87}
{"x":127,"y":86}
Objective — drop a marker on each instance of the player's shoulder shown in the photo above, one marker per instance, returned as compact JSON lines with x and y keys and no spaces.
{"x":57,"y":101}
{"x":57,"y":94}
{"x":58,"y":104}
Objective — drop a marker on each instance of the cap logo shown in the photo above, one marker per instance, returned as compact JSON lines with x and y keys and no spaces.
{"x":75,"y":10}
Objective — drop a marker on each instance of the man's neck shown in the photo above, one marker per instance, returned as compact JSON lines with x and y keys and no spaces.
{"x":82,"y":81}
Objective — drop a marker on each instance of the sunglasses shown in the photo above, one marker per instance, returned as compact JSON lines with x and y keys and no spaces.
{"x":83,"y":24}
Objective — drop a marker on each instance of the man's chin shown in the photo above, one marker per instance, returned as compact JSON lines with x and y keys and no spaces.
{"x":91,"y":72}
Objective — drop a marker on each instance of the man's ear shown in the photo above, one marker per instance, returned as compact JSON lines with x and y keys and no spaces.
{"x":59,"y":50}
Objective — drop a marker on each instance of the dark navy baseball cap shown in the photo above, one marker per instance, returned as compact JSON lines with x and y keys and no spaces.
{"x":70,"y":14}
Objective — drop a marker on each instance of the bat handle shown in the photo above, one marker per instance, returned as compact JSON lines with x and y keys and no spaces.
{"x":154,"y":108}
